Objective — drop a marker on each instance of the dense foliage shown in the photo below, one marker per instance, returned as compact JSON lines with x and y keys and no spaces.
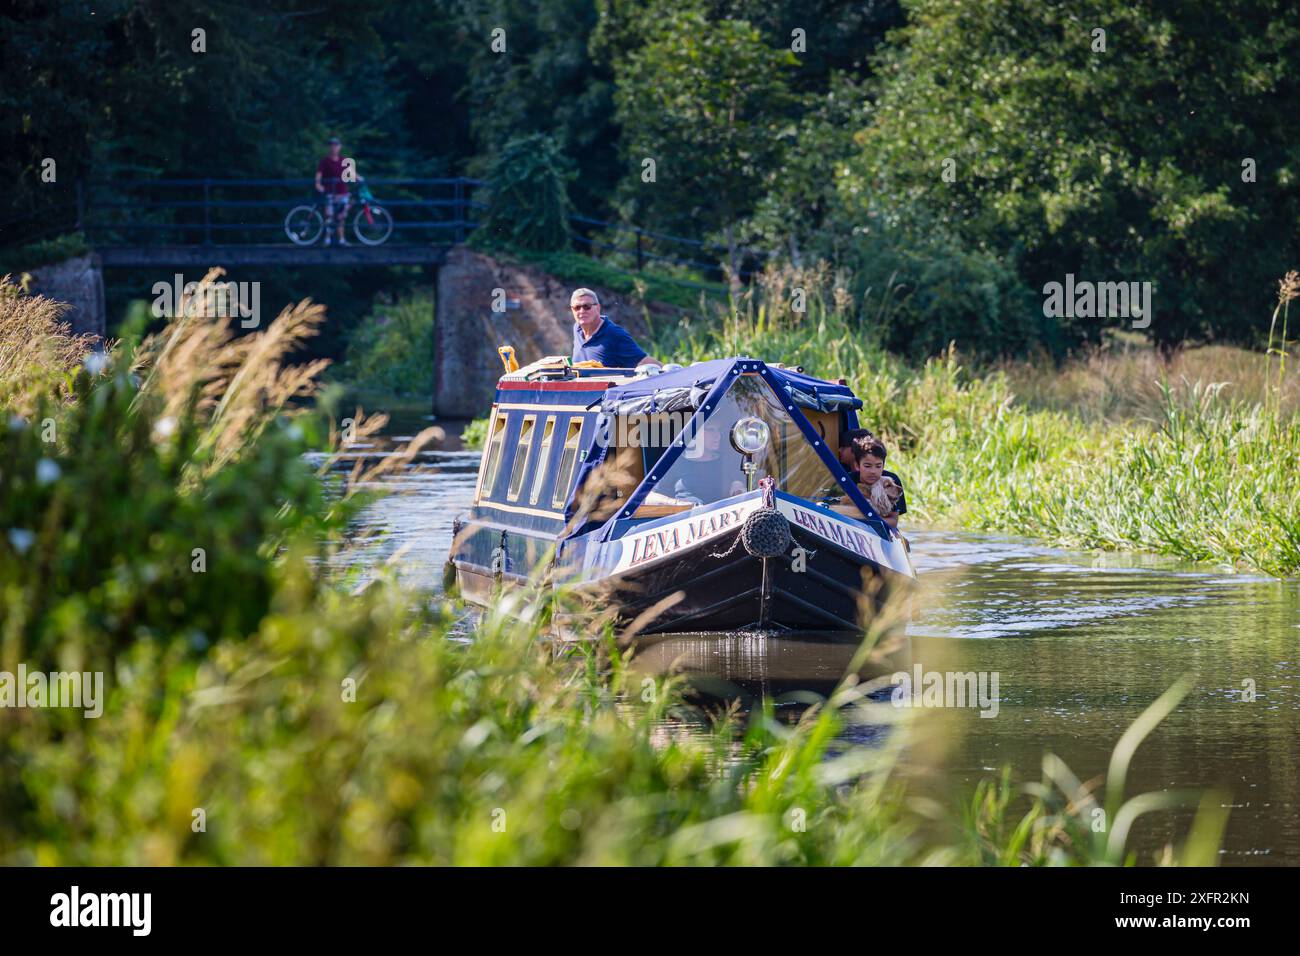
{"x":701,"y":105}
{"x":1161,"y":149}
{"x":528,"y":196}
{"x":955,"y":157}
{"x":392,"y":351}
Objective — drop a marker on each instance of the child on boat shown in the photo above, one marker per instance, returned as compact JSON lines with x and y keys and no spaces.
{"x":883,"y":489}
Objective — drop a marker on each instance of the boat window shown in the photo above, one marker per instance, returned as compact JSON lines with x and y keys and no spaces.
{"x":711,"y":469}
{"x":568,"y":459}
{"x":522,"y":448}
{"x":543,"y":459}
{"x":492,"y":458}
{"x":652,"y":434}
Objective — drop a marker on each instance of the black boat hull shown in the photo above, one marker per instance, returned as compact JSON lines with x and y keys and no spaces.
{"x":719,"y":586}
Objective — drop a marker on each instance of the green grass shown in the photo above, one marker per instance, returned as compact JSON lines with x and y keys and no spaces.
{"x":391,"y":351}
{"x":1209,"y":477}
{"x":475,"y":434}
{"x":350,"y":729}
{"x":33,"y":255}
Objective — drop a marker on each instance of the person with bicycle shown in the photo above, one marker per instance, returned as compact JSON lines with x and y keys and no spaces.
{"x":371,"y":222}
{"x":333,"y":189}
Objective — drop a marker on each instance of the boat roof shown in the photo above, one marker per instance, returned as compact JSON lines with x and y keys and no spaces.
{"x":697,"y":388}
{"x":686,"y":387}
{"x":641,"y":390}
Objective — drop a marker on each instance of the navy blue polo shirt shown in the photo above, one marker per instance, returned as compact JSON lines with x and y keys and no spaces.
{"x":611,"y":346}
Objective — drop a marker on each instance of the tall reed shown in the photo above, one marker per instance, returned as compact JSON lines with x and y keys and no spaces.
{"x":1192,"y":469}
{"x":1288,"y":289}
{"x":37,"y":347}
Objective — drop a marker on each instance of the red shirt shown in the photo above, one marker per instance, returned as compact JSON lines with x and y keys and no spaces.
{"x":331,"y":175}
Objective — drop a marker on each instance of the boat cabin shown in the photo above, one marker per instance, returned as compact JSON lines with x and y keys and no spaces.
{"x":577,"y":453}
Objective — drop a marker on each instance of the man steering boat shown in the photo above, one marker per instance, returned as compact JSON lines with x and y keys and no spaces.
{"x":598,"y":338}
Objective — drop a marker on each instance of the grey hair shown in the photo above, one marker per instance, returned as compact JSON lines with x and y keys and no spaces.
{"x":577,"y":292}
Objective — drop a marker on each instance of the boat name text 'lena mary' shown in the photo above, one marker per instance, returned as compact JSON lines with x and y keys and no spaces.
{"x":657,"y":544}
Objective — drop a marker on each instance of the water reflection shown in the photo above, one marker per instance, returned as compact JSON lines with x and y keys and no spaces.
{"x":409,"y":528}
{"x":748,"y":666}
{"x":1086,"y":643}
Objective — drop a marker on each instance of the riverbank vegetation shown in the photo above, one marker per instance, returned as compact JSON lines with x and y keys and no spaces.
{"x":164,"y":529}
{"x":391,"y":351}
{"x":1196,"y":456}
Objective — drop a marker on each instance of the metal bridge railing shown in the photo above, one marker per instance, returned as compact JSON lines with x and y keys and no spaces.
{"x":441,"y":211}
{"x":217,"y":212}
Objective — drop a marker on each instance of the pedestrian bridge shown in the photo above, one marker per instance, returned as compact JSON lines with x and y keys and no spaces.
{"x":239,"y":224}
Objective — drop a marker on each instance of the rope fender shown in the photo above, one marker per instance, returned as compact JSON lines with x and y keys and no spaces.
{"x":766,"y":532}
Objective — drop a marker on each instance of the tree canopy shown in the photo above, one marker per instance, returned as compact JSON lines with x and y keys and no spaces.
{"x":961,"y":155}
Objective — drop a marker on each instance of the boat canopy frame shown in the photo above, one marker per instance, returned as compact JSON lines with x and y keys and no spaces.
{"x":700,"y":388}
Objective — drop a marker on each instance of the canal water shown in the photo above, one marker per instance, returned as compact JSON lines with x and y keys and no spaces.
{"x":1079,"y":643}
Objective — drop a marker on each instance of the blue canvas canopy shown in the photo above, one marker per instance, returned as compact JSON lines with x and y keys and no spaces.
{"x":686,"y":388}
{"x":698,"y":388}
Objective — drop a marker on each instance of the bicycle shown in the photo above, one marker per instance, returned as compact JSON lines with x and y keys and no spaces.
{"x":372,"y":224}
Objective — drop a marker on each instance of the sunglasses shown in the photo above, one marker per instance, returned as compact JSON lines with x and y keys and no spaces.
{"x":582,"y":307}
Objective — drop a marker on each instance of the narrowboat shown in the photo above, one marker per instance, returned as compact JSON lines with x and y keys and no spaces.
{"x":688,"y":499}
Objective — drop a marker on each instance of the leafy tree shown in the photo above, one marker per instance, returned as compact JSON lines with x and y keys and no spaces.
{"x":706,"y":102}
{"x":1125,"y":164}
{"x":529,"y":205}
{"x":543,"y":81}
{"x":838,"y":37}
{"x":792,"y":214}
{"x":922,"y":286}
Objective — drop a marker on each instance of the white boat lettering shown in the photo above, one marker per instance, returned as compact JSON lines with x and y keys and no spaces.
{"x":657,"y":544}
{"x":833,"y":530}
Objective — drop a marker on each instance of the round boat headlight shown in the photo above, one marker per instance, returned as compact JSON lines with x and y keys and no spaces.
{"x":749,"y":436}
